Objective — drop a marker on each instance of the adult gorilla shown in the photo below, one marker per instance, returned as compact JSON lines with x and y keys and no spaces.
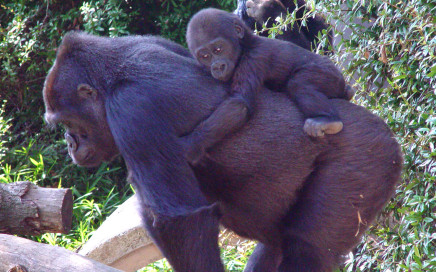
{"x":255,"y":13}
{"x":307,"y":201}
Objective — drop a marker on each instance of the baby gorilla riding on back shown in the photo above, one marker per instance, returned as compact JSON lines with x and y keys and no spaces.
{"x":224,"y":44}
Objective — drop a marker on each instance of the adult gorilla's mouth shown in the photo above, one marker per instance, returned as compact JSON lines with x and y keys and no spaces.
{"x":89,"y":160}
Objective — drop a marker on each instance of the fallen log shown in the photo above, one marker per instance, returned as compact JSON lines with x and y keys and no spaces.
{"x":19,"y":254}
{"x":27,"y":209}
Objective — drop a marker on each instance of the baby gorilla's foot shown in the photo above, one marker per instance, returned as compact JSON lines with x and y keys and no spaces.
{"x":318,"y":126}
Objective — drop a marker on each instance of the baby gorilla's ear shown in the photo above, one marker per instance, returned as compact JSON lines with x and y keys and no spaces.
{"x":239,"y":29}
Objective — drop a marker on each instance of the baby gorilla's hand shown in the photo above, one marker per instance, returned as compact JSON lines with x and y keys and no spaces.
{"x":194,"y":151}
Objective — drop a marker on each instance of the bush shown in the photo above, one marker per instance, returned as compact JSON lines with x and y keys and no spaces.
{"x":396,"y":54}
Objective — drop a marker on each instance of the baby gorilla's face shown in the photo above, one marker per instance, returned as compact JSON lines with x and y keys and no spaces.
{"x":214,"y":38}
{"x":220,"y":56}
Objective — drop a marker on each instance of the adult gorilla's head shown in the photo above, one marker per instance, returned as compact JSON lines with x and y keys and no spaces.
{"x":76,"y":100}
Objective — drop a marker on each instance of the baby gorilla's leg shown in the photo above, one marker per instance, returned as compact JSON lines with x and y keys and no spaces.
{"x":321,"y":116}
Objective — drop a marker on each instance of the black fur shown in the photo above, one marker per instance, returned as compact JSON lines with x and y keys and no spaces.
{"x":228,"y":49}
{"x":307,"y":201}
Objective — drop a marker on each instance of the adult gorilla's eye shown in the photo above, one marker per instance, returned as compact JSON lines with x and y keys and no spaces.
{"x":205,"y":56}
{"x":217,"y":50}
{"x":66,"y":124}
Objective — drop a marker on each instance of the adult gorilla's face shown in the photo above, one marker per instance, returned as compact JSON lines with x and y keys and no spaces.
{"x":80,"y":109}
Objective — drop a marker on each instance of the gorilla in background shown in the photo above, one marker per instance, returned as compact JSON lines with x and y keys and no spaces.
{"x":307,"y":201}
{"x":257,"y":12}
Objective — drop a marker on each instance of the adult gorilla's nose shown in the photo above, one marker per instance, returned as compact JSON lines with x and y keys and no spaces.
{"x":71,"y":141}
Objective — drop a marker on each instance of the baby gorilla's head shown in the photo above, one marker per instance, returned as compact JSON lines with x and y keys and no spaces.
{"x":214,"y":39}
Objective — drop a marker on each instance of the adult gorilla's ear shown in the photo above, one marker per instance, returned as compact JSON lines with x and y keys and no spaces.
{"x":239,"y":29}
{"x":86,"y":92}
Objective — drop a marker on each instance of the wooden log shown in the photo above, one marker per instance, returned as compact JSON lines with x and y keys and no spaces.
{"x":19,"y":254}
{"x":123,"y":243}
{"x":27,"y":209}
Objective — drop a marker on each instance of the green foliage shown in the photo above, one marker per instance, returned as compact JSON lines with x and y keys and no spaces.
{"x":4,"y":127}
{"x":392,"y":60}
{"x":176,"y":14}
{"x":105,"y":18}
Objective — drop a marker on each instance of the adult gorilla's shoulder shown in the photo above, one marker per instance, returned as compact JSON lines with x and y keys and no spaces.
{"x":307,"y":201}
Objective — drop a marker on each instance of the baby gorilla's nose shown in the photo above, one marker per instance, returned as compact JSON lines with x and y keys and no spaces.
{"x":220,"y":70}
{"x":219,"y":67}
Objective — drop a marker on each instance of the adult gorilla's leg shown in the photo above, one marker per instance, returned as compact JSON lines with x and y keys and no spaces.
{"x":264,"y":258}
{"x":336,"y":206}
{"x":177,"y":235}
{"x":300,"y":256}
{"x":321,"y":226}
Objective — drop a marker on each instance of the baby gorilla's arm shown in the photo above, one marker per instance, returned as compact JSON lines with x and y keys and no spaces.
{"x":231,"y":115}
{"x":247,"y":81}
{"x":228,"y":117}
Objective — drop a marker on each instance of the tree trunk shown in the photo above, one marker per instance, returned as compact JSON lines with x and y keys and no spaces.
{"x":22,"y":255}
{"x":27,"y":209}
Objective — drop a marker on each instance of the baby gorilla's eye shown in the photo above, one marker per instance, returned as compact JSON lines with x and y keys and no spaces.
{"x":217,"y":50}
{"x":205,"y":56}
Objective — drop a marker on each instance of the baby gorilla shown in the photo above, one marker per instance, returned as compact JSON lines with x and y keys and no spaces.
{"x":224,"y":44}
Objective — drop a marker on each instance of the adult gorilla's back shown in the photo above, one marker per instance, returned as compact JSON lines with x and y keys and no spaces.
{"x":308,"y":201}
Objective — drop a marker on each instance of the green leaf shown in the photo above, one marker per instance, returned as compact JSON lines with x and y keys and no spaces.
{"x":432,"y":71}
